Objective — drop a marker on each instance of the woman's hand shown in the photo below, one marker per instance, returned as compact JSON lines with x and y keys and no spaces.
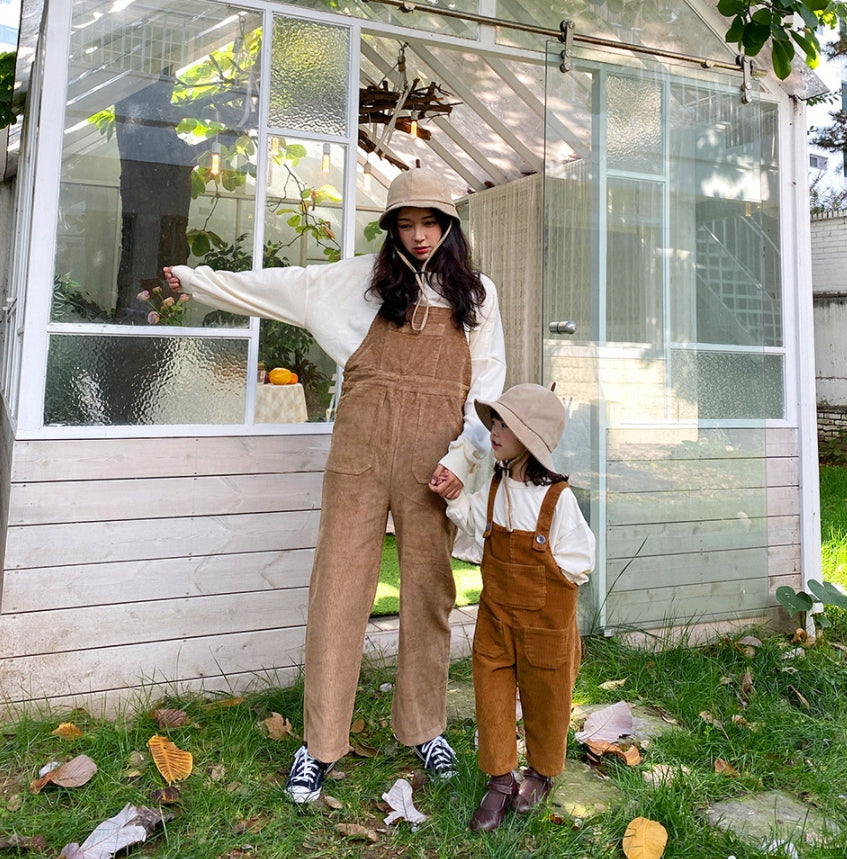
{"x":444,"y":483}
{"x":172,"y":279}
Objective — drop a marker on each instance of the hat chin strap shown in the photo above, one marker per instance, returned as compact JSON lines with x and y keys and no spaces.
{"x":419,"y":279}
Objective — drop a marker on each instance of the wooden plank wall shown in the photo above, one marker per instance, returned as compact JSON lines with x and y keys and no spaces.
{"x":716,"y":545}
{"x":176,"y":563}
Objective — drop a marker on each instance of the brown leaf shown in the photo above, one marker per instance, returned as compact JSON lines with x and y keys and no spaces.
{"x":800,"y":697}
{"x":150,"y":818}
{"x":225,"y":702}
{"x":166,"y":795}
{"x":607,"y":724}
{"x":38,"y":843}
{"x":74,"y":773}
{"x":67,"y":731}
{"x":613,"y":684}
{"x":644,"y":839}
{"x":800,"y":635}
{"x":358,"y":726}
{"x":707,"y":717}
{"x":724,"y":768}
{"x":217,"y":772}
{"x":750,"y":641}
{"x":630,"y":755}
{"x":747,"y":683}
{"x":277,"y":726}
{"x":362,"y":750}
{"x":356,"y":832}
{"x":167,"y":717}
{"x":331,"y":802}
{"x":173,"y":763}
{"x":250,"y":824}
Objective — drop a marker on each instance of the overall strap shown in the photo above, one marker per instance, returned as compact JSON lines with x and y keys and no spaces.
{"x":489,"y":516}
{"x":545,"y":515}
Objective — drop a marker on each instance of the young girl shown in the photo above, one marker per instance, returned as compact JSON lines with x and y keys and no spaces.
{"x":418,"y":334}
{"x":537,"y":549}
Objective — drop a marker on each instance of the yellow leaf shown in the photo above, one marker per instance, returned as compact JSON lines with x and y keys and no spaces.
{"x":174,"y":764}
{"x":644,"y":839}
{"x":67,"y":731}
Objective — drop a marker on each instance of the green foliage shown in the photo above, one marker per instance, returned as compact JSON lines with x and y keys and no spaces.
{"x":801,"y":602}
{"x":10,"y":106}
{"x":788,"y":26}
{"x":70,"y":305}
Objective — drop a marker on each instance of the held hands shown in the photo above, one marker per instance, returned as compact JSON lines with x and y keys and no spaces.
{"x":444,"y":483}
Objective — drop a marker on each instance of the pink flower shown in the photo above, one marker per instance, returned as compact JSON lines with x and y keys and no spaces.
{"x":144,"y":295}
{"x":157,"y":290}
{"x":184,"y":296}
{"x":153,"y":318}
{"x":168,"y":302}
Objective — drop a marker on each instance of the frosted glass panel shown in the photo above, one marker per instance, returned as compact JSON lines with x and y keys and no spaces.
{"x":729,"y":384}
{"x":309,"y":76}
{"x":634,"y":136}
{"x":105,"y":381}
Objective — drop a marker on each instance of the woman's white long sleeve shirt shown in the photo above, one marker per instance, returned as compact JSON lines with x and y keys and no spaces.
{"x":330,"y":302}
{"x":571,"y":540}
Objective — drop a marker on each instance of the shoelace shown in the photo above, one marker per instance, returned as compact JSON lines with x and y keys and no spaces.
{"x":438,"y":755}
{"x":305,"y":767}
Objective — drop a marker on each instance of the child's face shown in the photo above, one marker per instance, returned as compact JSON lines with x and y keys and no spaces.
{"x":419,"y":231}
{"x":504,"y":444}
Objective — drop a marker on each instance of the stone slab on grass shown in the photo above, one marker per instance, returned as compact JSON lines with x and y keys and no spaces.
{"x":579,"y":792}
{"x":762,"y":818}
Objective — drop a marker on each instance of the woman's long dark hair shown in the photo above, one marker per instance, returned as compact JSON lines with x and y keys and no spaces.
{"x":452,"y":276}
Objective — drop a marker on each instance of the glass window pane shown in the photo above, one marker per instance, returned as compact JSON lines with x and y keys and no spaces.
{"x":309,"y":66}
{"x":106,"y":381}
{"x":634,"y":133}
{"x":160,"y":129}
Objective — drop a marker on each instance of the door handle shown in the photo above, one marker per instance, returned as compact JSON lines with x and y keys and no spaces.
{"x":564,"y":327}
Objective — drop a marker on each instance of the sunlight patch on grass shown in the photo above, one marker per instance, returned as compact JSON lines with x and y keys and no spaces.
{"x":467,"y":576}
{"x":833,"y":492}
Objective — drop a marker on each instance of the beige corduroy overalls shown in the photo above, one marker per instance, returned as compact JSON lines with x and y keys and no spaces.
{"x":402,"y":404}
{"x":526,"y":639}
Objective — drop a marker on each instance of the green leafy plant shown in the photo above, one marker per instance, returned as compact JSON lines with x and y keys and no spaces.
{"x":70,"y":305}
{"x":802,"y":602}
{"x":785,"y":24}
{"x":11,"y":106}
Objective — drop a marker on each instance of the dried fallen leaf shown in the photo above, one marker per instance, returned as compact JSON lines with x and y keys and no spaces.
{"x":166,"y":795}
{"x":217,"y":772}
{"x":224,"y":702}
{"x":630,"y":755}
{"x":358,"y":726}
{"x":800,"y":634}
{"x":738,"y":719}
{"x":277,"y":726}
{"x":331,"y":802}
{"x":167,"y":717}
{"x":399,"y":797}
{"x":74,"y":773}
{"x":800,"y":697}
{"x":724,"y":768}
{"x":663,"y":773}
{"x":613,"y":684}
{"x":644,"y":839}
{"x":750,"y":641}
{"x":356,"y":832}
{"x":67,"y":731}
{"x":38,"y":843}
{"x":607,"y":724}
{"x":746,"y":683}
{"x":709,"y":719}
{"x":362,"y":750}
{"x":108,"y":837}
{"x":173,"y":763}
{"x":251,"y":824}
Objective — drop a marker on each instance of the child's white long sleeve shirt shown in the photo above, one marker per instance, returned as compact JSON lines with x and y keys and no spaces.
{"x":571,"y":540}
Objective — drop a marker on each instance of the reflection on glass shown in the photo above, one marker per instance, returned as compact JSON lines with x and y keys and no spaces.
{"x":160,"y":128}
{"x":108,"y":381}
{"x":309,"y":63}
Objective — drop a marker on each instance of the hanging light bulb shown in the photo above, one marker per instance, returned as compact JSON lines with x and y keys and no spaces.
{"x":367,"y":178}
{"x":325,"y":159}
{"x":413,"y":128}
{"x":215,"y":165}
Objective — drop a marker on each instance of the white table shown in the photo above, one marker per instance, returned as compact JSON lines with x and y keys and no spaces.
{"x":280,"y":404}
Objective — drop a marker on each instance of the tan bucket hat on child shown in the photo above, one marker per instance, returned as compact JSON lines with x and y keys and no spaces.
{"x":534,"y":414}
{"x":422,"y":189}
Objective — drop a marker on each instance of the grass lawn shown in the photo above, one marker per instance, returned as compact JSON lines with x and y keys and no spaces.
{"x":833,"y":493}
{"x":776,"y":717}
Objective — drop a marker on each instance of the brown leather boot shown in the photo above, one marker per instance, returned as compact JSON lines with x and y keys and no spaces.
{"x":532,"y":791}
{"x":501,"y":790}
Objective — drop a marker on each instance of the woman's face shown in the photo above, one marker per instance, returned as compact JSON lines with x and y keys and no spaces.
{"x":419,"y":231}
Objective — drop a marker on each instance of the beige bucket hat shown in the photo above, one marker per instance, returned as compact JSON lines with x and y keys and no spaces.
{"x":422,"y":189}
{"x":534,"y":414}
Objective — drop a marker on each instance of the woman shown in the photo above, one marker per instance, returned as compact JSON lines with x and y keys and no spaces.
{"x":418,"y":334}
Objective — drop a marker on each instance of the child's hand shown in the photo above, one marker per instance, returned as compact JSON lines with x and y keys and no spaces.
{"x":444,"y":483}
{"x":172,"y":279}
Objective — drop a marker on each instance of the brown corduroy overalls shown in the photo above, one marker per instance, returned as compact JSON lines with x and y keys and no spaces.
{"x":526,"y":639}
{"x":402,"y":404}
